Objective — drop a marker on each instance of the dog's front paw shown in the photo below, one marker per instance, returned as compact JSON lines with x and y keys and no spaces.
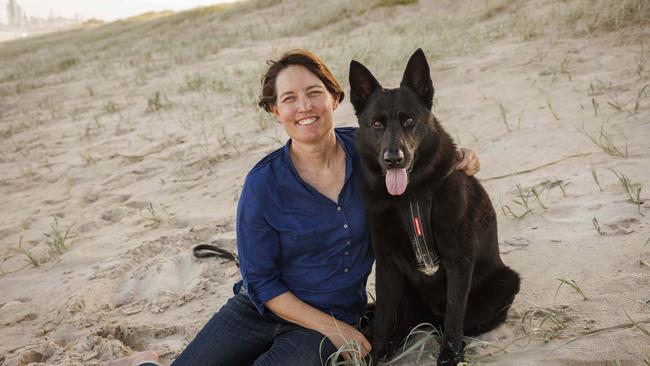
{"x":448,"y":356}
{"x":380,"y":350}
{"x":376,"y":356}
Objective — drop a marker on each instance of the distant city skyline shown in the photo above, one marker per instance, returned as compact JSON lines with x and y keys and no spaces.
{"x":107,"y":10}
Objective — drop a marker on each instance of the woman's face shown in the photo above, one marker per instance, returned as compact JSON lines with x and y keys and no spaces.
{"x":303,"y":105}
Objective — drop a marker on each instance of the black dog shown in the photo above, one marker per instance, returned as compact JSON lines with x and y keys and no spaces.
{"x":433,"y":229}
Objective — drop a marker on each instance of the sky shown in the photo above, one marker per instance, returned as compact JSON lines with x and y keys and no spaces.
{"x":101,"y":9}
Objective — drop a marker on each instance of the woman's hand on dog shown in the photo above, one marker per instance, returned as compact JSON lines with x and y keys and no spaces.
{"x":469,"y":163}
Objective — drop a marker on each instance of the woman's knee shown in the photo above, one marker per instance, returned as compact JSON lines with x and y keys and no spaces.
{"x":235,"y":335}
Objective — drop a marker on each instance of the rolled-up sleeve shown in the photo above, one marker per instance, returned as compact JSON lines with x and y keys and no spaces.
{"x":258,"y":245}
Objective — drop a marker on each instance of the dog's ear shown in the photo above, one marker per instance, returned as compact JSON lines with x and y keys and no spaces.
{"x":362,"y":85}
{"x":417,"y":77}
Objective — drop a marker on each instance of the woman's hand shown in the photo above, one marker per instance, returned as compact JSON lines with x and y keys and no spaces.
{"x":469,"y":163}
{"x":343,"y":334}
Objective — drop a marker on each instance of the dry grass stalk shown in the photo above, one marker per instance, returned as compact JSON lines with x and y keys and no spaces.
{"x":594,"y":175}
{"x":633,"y":190}
{"x":594,"y":221}
{"x":605,"y":143}
{"x":571,"y":283}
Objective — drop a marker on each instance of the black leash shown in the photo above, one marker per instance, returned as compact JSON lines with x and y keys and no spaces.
{"x":211,"y":250}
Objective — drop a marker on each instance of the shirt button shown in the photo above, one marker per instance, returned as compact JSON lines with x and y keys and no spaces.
{"x":345,"y":226}
{"x":346,"y":252}
{"x":345,"y":270}
{"x":338,"y":208}
{"x":348,"y":242}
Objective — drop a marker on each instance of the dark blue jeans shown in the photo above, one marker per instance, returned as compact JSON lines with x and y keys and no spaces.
{"x":238,"y":335}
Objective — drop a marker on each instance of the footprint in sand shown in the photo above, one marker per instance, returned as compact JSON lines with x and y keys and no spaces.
{"x":621,"y":226}
{"x":17,"y":311}
{"x":514,"y":243}
{"x":162,"y":281}
{"x":113,"y":215}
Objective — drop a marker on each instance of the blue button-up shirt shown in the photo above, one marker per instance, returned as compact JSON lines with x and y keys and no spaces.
{"x":292,"y":238}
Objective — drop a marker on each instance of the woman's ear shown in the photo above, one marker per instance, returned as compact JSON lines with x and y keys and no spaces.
{"x":274,"y":111}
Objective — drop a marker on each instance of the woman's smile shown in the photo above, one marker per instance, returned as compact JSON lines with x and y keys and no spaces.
{"x":307,"y":121}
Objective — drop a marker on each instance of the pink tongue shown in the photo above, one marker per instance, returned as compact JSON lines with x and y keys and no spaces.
{"x":396,"y":181}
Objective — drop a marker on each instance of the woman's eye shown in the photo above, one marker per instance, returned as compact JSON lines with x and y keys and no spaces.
{"x":409,"y":122}
{"x":377,"y":124}
{"x":287,"y":99}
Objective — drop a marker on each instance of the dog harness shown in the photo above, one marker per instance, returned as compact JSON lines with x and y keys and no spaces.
{"x":427,"y":259}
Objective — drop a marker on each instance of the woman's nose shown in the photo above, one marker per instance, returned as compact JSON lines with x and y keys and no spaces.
{"x":304,"y":104}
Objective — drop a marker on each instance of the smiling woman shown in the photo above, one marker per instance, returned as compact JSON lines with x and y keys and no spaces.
{"x":301,"y":234}
{"x":304,"y":106}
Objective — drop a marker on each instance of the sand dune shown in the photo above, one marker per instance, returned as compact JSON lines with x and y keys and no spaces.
{"x":122,"y":146}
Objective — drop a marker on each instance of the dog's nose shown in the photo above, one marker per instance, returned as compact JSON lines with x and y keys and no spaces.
{"x":393,"y":157}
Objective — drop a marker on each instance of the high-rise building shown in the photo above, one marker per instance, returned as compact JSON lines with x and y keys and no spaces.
{"x":15,"y":14}
{"x":17,"y":18}
{"x":11,"y":10}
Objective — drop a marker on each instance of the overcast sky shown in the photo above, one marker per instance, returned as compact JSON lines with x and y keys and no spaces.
{"x":101,"y":9}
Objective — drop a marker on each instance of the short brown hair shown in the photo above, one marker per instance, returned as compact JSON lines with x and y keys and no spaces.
{"x":300,"y":57}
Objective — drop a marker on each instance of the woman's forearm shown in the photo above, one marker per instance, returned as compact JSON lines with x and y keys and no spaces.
{"x":290,"y":308}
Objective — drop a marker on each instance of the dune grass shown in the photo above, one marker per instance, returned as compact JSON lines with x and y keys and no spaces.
{"x":542,"y":324}
{"x":154,"y":103}
{"x":644,"y":263}
{"x":524,"y":198}
{"x":596,"y":225}
{"x":633,"y":190}
{"x":123,"y":39}
{"x":549,"y":104}
{"x":538,"y":324}
{"x":396,"y":2}
{"x":571,"y":283}
{"x":594,"y":175}
{"x":632,"y":324}
{"x":353,"y":349}
{"x":57,"y":239}
{"x":611,"y":15}
{"x":605,"y":141}
{"x":504,"y":115}
{"x":28,"y":254}
{"x":604,"y":15}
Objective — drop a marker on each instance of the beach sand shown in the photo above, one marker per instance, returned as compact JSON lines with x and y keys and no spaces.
{"x":123,"y":146}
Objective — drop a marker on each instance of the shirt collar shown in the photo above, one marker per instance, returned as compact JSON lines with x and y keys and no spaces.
{"x":346,"y":148}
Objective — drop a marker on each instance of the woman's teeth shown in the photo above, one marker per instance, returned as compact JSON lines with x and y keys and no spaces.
{"x":307,"y":121}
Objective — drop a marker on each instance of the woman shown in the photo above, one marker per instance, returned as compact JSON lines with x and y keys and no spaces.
{"x":302,"y":235}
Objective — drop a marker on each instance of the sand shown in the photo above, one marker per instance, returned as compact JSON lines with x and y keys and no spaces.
{"x":135,"y":180}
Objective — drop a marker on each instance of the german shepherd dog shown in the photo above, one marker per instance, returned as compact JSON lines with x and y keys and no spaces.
{"x":433,"y":229}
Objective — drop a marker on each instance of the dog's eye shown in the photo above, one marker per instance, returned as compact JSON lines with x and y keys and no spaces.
{"x":377,"y":124}
{"x":409,"y":122}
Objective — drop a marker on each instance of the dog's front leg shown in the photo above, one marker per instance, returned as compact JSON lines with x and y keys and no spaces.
{"x":459,"y":274}
{"x":390,"y":288}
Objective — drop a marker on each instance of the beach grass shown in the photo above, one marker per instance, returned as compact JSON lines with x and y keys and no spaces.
{"x":571,"y":283}
{"x":57,"y":238}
